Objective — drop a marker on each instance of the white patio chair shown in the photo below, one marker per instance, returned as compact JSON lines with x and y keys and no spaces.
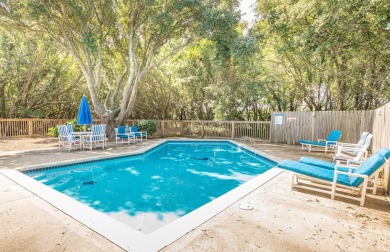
{"x":66,"y":138}
{"x":97,"y":138}
{"x":344,"y":152}
{"x":362,"y":140}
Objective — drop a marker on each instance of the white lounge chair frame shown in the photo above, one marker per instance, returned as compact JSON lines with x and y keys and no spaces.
{"x":360,"y":190}
{"x":362,"y":141}
{"x":348,"y":152}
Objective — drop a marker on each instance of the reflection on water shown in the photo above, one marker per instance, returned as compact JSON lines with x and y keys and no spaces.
{"x":148,"y":191}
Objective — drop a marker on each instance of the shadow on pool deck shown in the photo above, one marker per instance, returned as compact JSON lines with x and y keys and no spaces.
{"x":281,"y":219}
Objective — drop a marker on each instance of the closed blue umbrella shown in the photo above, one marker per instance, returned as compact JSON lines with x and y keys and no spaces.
{"x":84,"y":116}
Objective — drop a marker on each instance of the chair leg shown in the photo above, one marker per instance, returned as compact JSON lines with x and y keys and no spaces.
{"x":375,"y":183}
{"x":294,"y":180}
{"x":364,"y":191}
{"x":334,"y":184}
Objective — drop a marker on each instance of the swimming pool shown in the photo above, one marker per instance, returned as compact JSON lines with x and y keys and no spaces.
{"x":120,"y":223}
{"x":150,"y":190}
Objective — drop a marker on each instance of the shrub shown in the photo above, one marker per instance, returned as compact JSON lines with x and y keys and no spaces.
{"x":53,"y":131}
{"x":148,"y":126}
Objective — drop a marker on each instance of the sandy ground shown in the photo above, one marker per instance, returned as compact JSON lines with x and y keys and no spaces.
{"x":15,"y":144}
{"x":281,"y":219}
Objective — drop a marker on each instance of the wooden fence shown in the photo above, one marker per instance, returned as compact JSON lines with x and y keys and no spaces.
{"x":284,"y":127}
{"x":165,"y":128}
{"x":27,"y":127}
{"x":290,"y":127}
{"x":381,"y":132}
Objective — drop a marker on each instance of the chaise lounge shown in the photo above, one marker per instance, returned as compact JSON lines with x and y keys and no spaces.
{"x":331,"y":141}
{"x":342,"y":178}
{"x":359,"y":152}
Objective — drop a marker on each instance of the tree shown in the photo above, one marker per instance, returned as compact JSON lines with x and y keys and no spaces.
{"x":115,"y":43}
{"x":36,"y":80}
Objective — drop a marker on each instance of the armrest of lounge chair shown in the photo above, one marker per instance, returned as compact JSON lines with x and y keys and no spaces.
{"x":343,"y":168}
{"x":331,"y":144}
{"x":356,"y":162}
{"x":346,"y":144}
{"x":350,"y":174}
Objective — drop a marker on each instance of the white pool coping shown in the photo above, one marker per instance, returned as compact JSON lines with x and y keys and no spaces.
{"x":123,"y":235}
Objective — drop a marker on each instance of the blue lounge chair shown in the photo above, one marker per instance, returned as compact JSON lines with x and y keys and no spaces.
{"x":121,"y":134}
{"x":138,"y":134}
{"x":340,"y":177}
{"x":331,"y":141}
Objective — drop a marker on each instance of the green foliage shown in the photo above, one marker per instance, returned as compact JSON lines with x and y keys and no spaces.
{"x":53,"y":131}
{"x":193,"y":59}
{"x":148,"y":126}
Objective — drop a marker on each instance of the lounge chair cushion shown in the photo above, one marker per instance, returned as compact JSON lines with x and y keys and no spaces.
{"x":312,"y":142}
{"x":134,"y":129}
{"x":368,"y":167}
{"x":321,"y":163}
{"x":314,"y":171}
{"x":317,"y":162}
{"x":384,"y":152}
{"x":122,"y":132}
{"x":334,"y":135}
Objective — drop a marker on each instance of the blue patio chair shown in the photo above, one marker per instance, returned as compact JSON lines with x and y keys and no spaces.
{"x":66,"y":138}
{"x":340,"y":177}
{"x":121,"y":134}
{"x":331,"y":141}
{"x":138,"y":134}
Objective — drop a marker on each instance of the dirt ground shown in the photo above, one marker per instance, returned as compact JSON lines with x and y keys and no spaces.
{"x":15,"y":144}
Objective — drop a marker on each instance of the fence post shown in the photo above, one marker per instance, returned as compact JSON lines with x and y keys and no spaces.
{"x":162,"y":124}
{"x":202,"y":131}
{"x":270,"y":131}
{"x":181,"y":128}
{"x":30,"y":128}
{"x":313,"y":124}
{"x":233,"y":129}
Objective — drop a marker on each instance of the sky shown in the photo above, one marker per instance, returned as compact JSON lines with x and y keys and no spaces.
{"x":246,"y":7}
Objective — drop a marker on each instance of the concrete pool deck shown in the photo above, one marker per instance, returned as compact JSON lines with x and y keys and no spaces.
{"x":281,"y":219}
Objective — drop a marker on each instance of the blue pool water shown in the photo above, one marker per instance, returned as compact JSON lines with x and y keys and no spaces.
{"x":148,"y":191}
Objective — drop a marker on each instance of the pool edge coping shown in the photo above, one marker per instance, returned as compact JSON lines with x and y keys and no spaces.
{"x":123,"y":235}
